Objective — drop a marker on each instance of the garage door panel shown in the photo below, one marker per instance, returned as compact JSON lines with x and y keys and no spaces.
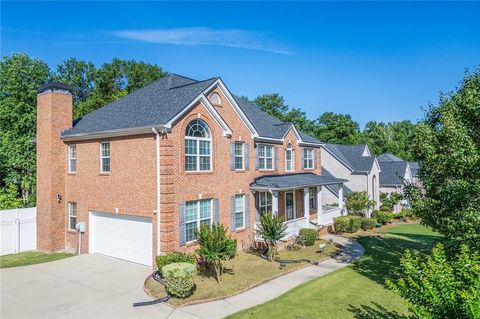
{"x":121,"y":236}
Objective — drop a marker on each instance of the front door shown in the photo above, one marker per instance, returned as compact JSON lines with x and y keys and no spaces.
{"x":290,"y":205}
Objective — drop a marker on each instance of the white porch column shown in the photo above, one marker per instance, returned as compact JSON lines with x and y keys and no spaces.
{"x":340,"y":196}
{"x":306,"y":206}
{"x":319,"y":205}
{"x":275,"y":203}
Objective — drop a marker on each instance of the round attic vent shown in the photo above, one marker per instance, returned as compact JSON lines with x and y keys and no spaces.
{"x":215,"y":99}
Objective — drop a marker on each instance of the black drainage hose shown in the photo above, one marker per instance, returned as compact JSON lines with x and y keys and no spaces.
{"x":157,"y":277}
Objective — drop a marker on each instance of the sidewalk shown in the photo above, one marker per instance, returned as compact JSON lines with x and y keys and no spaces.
{"x":272,"y":289}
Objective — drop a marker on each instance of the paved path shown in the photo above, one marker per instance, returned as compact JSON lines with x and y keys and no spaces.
{"x":273,"y":288}
{"x":93,"y":286}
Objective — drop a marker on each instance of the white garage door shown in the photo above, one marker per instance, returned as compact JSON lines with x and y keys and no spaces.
{"x":121,"y":236}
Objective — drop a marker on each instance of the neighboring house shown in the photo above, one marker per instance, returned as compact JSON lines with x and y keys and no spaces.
{"x":414,"y":167}
{"x":140,"y":174}
{"x":355,"y":164}
{"x":396,"y":173}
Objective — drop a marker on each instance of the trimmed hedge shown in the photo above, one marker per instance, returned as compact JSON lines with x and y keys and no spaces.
{"x":341,"y":224}
{"x":308,"y":236}
{"x":368,"y":223}
{"x":347,"y":224}
{"x":355,"y":224}
{"x":385,"y":209}
{"x":383,"y":217}
{"x":174,"y":257}
{"x":179,"y":279}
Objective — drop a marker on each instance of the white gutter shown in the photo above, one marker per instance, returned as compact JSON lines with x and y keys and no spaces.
{"x":157,"y":139}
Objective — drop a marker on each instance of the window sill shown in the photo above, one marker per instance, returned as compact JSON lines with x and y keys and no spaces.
{"x":104,"y":174}
{"x":309,"y":169}
{"x":240,"y":230}
{"x":266,"y":170}
{"x":199,"y":173}
{"x":72,"y":173}
{"x":240,"y":171}
{"x":71,"y":231}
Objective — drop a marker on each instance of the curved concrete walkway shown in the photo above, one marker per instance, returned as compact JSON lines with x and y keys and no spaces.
{"x":272,"y":289}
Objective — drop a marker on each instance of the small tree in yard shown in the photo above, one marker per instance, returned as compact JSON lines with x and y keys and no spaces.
{"x":272,"y":230}
{"x":441,"y":287}
{"x":358,"y":203}
{"x":390,"y":200}
{"x":215,"y":247}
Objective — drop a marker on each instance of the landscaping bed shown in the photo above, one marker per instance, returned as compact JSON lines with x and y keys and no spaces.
{"x":243,"y":272}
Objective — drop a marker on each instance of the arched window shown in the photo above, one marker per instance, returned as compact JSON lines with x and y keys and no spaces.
{"x":215,"y":99}
{"x":198,"y":150}
{"x":289,"y":158}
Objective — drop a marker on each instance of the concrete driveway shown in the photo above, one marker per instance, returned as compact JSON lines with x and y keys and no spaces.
{"x":86,"y":286}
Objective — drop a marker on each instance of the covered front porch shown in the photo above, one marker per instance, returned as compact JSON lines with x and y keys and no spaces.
{"x":297,"y":198}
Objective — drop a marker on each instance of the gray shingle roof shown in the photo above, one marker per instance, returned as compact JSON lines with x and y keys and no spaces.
{"x":291,"y":181}
{"x":151,"y":105}
{"x":387,"y":157}
{"x":335,"y":187}
{"x":352,"y":155}
{"x":158,"y":102}
{"x":414,"y":167}
{"x":393,"y":173}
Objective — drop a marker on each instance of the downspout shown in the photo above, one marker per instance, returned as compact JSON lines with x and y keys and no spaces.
{"x":157,"y":138}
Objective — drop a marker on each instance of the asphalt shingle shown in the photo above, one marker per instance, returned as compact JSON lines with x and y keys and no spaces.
{"x":291,"y":181}
{"x":352,"y":155}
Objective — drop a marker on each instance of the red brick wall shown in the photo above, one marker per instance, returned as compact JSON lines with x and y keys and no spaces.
{"x":54,"y":113}
{"x":131,"y":184}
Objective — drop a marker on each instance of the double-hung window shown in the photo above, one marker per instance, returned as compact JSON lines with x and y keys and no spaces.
{"x":265,"y":202}
{"x":72,"y":158}
{"x":198,"y":151}
{"x":312,"y":198}
{"x":239,"y":211}
{"x":105,"y":157}
{"x":308,"y":158}
{"x":238,"y":153}
{"x":72,"y":216}
{"x":197,"y":214}
{"x":265,"y":157}
{"x":289,"y":159}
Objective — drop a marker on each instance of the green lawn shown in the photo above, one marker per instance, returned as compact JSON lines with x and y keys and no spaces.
{"x":30,"y":258}
{"x":356,"y":291}
{"x":243,"y":272}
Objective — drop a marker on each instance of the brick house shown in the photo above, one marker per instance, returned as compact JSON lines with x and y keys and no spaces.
{"x":142,"y":173}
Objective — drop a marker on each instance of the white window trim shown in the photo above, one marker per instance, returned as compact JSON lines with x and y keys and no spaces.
{"x":198,"y":220}
{"x":102,"y":157}
{"x":242,"y":156}
{"x":306,"y":159}
{"x":243,"y":211}
{"x":260,"y":206}
{"x":312,"y":195}
{"x":294,"y":206}
{"x":70,"y":215}
{"x":292,"y":160}
{"x":197,"y":156}
{"x":264,"y":158}
{"x":70,"y":158}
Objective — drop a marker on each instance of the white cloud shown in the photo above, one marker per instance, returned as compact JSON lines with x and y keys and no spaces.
{"x":233,"y":38}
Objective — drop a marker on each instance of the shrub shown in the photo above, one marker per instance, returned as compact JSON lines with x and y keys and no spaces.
{"x":175,"y":257}
{"x":355,"y":224}
{"x":385,"y":209}
{"x":179,"y":279}
{"x":308,"y":236}
{"x":271,"y":229}
{"x":341,"y":224}
{"x":358,"y":203}
{"x":382,"y":217}
{"x":215,"y":247}
{"x":442,"y":286}
{"x":368,"y":223}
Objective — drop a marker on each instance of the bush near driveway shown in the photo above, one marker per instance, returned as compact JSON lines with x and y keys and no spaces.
{"x":179,"y":279}
{"x":174,"y":257}
{"x":308,"y":236}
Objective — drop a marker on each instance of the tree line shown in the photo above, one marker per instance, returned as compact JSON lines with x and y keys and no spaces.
{"x":93,"y":87}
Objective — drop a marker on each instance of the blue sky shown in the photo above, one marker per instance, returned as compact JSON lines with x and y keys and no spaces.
{"x":376,"y":61}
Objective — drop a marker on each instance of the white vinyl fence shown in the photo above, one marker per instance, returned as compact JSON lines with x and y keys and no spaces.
{"x":18,"y":230}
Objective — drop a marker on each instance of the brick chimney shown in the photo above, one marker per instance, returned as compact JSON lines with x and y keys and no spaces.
{"x":54,"y":114}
